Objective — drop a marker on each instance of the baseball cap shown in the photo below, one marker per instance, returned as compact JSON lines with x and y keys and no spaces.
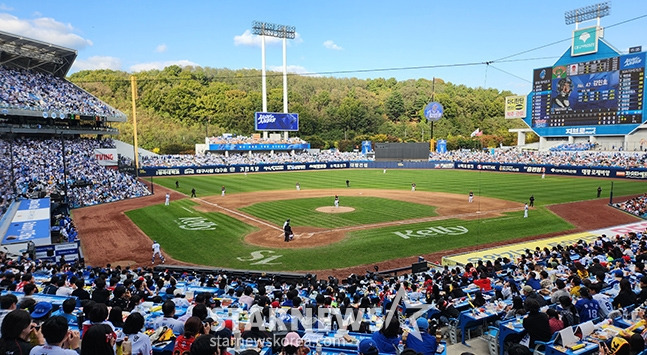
{"x":41,"y":309}
{"x":618,"y":273}
{"x":229,"y":324}
{"x":178,"y":292}
{"x":368,"y":347}
{"x":275,"y":304}
{"x":292,"y":338}
{"x":527,"y":288}
{"x":423,"y":323}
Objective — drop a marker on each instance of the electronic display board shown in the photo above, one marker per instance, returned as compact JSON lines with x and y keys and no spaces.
{"x":598,"y":92}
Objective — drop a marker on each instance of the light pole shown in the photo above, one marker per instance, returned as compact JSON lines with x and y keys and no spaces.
{"x":279,"y":31}
{"x":64,"y":166}
{"x":13,"y":176}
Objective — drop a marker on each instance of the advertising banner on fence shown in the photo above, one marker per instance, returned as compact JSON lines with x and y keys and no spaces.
{"x":106,"y":157}
{"x":31,"y":222}
{"x":274,"y":121}
{"x":595,"y":171}
{"x":246,"y":168}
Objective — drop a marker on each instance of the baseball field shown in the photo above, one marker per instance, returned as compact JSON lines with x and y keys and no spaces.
{"x":379,"y":219}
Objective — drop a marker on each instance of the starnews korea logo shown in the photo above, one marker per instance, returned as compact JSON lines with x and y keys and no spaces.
{"x":294,"y":320}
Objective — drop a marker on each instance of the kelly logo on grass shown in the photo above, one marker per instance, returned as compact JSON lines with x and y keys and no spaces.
{"x":432,"y":232}
{"x":196,"y":224}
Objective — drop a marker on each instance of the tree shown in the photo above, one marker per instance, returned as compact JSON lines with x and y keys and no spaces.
{"x":394,"y":106}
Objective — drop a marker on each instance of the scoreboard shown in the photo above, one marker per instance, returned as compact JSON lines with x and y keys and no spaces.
{"x":598,"y":92}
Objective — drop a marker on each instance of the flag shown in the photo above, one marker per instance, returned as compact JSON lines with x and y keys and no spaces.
{"x":480,"y":133}
{"x":475,"y":133}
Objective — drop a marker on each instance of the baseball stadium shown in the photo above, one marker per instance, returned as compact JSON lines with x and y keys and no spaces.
{"x":258,"y":217}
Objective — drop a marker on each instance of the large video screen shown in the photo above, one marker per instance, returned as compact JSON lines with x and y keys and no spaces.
{"x":597,"y":92}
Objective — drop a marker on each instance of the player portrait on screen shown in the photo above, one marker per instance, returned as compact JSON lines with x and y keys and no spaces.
{"x":564,"y":89}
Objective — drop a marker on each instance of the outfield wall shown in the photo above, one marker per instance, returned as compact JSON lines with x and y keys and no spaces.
{"x":595,"y":171}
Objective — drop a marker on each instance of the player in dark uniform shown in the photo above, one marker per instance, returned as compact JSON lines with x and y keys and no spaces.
{"x":287,"y":230}
{"x":532,"y":201}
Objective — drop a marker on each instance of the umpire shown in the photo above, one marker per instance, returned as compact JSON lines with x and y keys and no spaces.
{"x":287,"y":230}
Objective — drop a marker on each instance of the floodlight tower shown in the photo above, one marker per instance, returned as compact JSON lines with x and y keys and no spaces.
{"x":587,"y":13}
{"x":279,"y":31}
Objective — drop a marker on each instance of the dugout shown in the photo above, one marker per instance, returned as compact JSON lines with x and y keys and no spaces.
{"x":401,"y":151}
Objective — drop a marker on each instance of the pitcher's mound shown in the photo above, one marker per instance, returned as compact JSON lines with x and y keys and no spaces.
{"x":333,"y":209}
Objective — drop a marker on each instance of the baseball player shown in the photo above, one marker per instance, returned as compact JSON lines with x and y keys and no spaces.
{"x":543,"y":173}
{"x":470,"y":198}
{"x":525,"y":211}
{"x":298,"y":186}
{"x":413,"y":186}
{"x":157,"y":251}
{"x":336,"y":201}
{"x":222,"y":191}
{"x":168,"y":199}
{"x":287,"y":231}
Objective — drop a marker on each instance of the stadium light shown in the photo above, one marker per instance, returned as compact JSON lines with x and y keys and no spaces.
{"x":279,"y":31}
{"x":587,"y":13}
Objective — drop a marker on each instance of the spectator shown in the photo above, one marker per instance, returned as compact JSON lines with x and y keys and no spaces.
{"x":98,"y":340}
{"x":16,"y":327}
{"x":536,"y":323}
{"x":60,"y":341}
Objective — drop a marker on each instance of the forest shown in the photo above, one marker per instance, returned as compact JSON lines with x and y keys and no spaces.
{"x":178,"y":106}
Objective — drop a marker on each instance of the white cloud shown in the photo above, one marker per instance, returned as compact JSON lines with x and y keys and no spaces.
{"x":97,"y":62}
{"x":45,"y":29}
{"x":295,"y":69}
{"x":161,"y":65}
{"x":5,"y":7}
{"x":249,"y":39}
{"x":161,"y":48}
{"x":331,"y":45}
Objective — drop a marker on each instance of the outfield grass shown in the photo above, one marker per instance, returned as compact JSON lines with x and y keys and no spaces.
{"x":514,"y":187}
{"x":368,"y":210}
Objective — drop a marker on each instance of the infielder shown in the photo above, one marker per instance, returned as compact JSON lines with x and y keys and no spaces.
{"x":157,"y":251}
{"x":168,"y":199}
{"x":222,"y":191}
{"x":525,"y":211}
{"x":413,"y":186}
{"x":470,"y":198}
{"x":336,"y":201}
{"x":298,"y":186}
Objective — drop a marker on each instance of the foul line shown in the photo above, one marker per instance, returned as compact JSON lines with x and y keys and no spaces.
{"x":240,"y":214}
{"x":188,"y":210}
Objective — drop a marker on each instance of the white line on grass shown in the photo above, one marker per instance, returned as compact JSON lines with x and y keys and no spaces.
{"x":188,"y":210}
{"x":240,"y":214}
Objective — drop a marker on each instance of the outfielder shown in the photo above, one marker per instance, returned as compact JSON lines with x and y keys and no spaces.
{"x":336,"y":201}
{"x":157,"y":251}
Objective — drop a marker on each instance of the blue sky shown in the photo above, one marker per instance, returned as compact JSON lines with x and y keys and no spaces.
{"x":332,"y":36}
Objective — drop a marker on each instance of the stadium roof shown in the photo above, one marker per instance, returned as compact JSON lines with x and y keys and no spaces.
{"x":31,"y":54}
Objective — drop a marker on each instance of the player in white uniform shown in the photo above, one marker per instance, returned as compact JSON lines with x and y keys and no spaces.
{"x":525,"y":211}
{"x":336,"y":201}
{"x":168,"y":199}
{"x":470,"y":198}
{"x":413,"y":186}
{"x":298,"y":186}
{"x":157,"y":251}
{"x":222,"y":190}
